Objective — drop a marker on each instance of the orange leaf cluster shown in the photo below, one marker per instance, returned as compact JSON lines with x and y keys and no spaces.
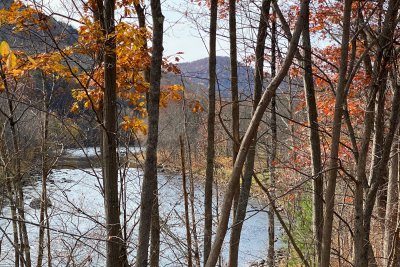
{"x":134,"y":124}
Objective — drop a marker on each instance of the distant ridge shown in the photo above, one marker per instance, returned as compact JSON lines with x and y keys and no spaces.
{"x":197,"y":72}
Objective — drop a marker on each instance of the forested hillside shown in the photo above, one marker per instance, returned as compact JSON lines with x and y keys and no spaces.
{"x":278,"y":147}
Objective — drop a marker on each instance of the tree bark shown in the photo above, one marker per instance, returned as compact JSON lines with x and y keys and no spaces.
{"x":155,"y":233}
{"x":155,"y":220}
{"x":116,"y":253}
{"x":272,"y":157}
{"x":361,"y":182}
{"x":392,"y":204}
{"x":149,"y":186}
{"x":336,"y":127}
{"x":196,"y":251}
{"x":248,"y":137}
{"x":240,"y":213}
{"x":377,"y":180}
{"x":185,"y":198}
{"x":315,"y":144}
{"x":380,"y":73}
{"x":208,"y":217}
{"x":10,"y":195}
{"x":142,"y":24}
{"x":234,"y":90}
{"x":45,"y":171}
{"x":17,"y":181}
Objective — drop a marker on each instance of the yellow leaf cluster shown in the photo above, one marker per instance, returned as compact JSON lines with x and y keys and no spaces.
{"x":91,"y":38}
{"x":132,"y":60}
{"x":89,"y":98}
{"x":23,"y":17}
{"x":170,"y":92}
{"x":134,"y":124}
{"x":8,"y":62}
{"x":4,"y":49}
{"x":74,"y":107}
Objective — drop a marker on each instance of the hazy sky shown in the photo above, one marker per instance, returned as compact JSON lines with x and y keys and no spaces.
{"x":181,"y":33}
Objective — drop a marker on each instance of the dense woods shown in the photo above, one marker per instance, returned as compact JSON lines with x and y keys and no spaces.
{"x":278,"y":146}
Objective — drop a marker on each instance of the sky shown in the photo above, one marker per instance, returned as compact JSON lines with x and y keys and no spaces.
{"x":181,"y":33}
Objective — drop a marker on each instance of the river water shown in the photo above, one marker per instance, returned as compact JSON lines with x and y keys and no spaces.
{"x":77,"y":220}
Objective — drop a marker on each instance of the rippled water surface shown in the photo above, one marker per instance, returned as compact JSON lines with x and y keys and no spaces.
{"x":77,"y":220}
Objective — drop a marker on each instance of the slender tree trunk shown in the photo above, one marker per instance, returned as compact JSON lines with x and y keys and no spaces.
{"x":192,"y":208}
{"x":312,"y":113}
{"x":361,"y":176}
{"x":17,"y":183}
{"x":208,"y":217}
{"x":185,"y":197}
{"x":272,"y":157}
{"x":142,"y":24}
{"x":248,"y":137}
{"x":24,"y":239}
{"x":45,"y":171}
{"x":155,"y":221}
{"x":10,"y":193}
{"x":240,"y":213}
{"x":392,"y":204}
{"x":98,"y":18}
{"x":155,"y":234}
{"x":116,"y":252}
{"x":234,"y":90}
{"x":363,"y":252}
{"x":10,"y":196}
{"x":377,"y":180}
{"x":336,"y":127}
{"x":149,"y":186}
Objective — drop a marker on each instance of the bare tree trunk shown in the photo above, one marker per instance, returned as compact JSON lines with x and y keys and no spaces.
{"x":192,"y":208}
{"x":116,"y":252}
{"x":376,"y":181}
{"x":336,"y":127}
{"x":240,"y":213}
{"x":9,"y":196}
{"x":142,"y":24}
{"x":19,"y":194}
{"x":234,"y":90}
{"x":149,"y":186}
{"x":185,"y":197}
{"x":392,"y":203}
{"x":208,"y":217}
{"x":155,"y":217}
{"x":361,"y":175}
{"x":45,"y":172}
{"x":248,"y":137}
{"x":272,"y":156}
{"x":10,"y":193}
{"x":155,"y":234}
{"x":318,"y":186}
{"x":363,"y":215}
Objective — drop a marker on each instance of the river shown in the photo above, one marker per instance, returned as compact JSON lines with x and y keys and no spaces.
{"x":77,"y":220}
